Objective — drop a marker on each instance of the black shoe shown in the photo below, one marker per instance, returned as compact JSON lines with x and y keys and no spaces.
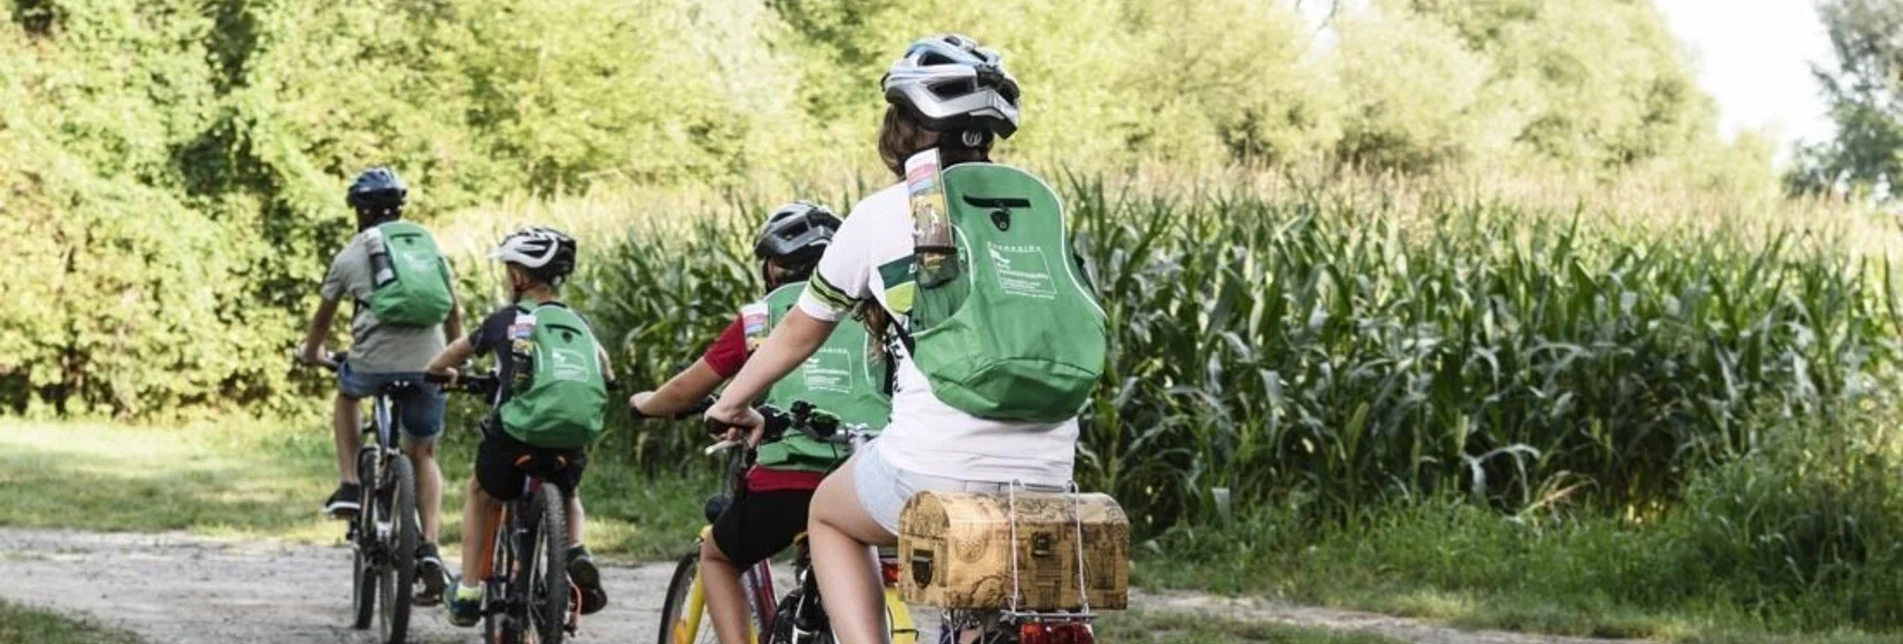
{"x":587,"y":578}
{"x":431,"y":575}
{"x":343,"y":503}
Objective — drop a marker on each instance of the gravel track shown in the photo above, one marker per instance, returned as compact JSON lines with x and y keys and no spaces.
{"x":175,"y":587}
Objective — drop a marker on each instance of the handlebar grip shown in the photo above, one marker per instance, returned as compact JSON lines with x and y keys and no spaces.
{"x":719,"y":447}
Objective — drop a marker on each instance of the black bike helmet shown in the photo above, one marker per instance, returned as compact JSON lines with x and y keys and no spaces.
{"x":377,"y":195}
{"x":548,"y":254}
{"x":796,"y":234}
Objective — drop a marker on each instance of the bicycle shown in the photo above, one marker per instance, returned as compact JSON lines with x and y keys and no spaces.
{"x":798,"y":618}
{"x":527,"y":596}
{"x":385,"y":531}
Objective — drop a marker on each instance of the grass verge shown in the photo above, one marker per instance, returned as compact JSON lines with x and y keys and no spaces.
{"x":267,"y":479}
{"x":21,"y":624}
{"x":1185,"y":628}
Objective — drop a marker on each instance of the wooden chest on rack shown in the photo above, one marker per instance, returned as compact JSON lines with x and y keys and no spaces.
{"x":955,"y":550}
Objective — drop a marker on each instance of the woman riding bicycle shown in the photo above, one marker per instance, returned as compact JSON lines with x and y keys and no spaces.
{"x":950,"y":95}
{"x":848,"y":380}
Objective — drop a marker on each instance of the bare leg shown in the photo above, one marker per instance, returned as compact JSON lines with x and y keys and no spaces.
{"x":842,"y":537}
{"x":346,"y":424}
{"x":726,"y":600}
{"x":479,"y":513}
{"x":429,"y":486}
{"x":576,"y":519}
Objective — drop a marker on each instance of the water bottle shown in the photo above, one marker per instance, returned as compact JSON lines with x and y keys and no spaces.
{"x":380,"y":271}
{"x":932,"y":243}
{"x":521,"y":351}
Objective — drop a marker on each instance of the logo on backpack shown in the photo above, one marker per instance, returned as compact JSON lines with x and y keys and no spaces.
{"x":1006,"y":329}
{"x":563,"y":399}
{"x":409,"y":277}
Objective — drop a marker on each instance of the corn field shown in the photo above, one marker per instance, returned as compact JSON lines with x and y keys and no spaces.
{"x":1337,"y":349}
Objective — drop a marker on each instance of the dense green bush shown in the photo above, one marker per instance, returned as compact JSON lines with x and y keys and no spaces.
{"x":175,"y":166}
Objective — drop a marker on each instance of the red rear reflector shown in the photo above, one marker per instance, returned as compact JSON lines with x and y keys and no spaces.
{"x":1066,"y":633}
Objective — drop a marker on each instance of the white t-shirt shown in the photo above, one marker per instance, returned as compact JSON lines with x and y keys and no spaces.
{"x":927,"y":436}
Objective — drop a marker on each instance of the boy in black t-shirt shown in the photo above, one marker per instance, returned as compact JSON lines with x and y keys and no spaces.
{"x":545,"y":354}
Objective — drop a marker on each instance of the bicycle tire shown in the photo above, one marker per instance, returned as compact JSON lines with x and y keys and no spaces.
{"x":399,"y":574}
{"x":364,"y":573}
{"x":549,"y":595}
{"x":757,"y":583}
{"x":674,"y":606}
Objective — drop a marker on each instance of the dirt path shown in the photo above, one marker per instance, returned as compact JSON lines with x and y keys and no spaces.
{"x":181,"y":588}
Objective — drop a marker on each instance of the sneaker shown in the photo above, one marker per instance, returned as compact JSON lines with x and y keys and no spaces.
{"x":587,"y":578}
{"x":343,"y":503}
{"x":430,"y":573}
{"x":465,"y":606}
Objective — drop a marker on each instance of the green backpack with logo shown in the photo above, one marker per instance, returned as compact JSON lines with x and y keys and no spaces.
{"x":1011,"y":332}
{"x":845,"y":377}
{"x":563,"y":399}
{"x":410,"y":278}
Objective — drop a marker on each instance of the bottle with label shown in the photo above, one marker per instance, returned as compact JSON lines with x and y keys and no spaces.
{"x":381,"y":273}
{"x":933,"y":246}
{"x":521,"y":351}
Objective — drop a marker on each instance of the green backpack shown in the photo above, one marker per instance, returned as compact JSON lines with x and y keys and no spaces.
{"x":566,"y":397}
{"x":843,"y":378}
{"x":411,"y":280}
{"x":1013,"y":333}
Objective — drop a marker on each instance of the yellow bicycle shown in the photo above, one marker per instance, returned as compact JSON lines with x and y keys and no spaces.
{"x":798,"y":618}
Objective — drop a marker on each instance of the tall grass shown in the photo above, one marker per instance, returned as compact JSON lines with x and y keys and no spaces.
{"x":1281,"y":341}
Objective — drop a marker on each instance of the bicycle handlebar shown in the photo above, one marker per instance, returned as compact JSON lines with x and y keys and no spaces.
{"x":479,"y":384}
{"x":814,"y":423}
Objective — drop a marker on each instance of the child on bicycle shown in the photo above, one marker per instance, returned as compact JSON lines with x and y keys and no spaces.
{"x":549,"y":404}
{"x":390,"y":343}
{"x":982,"y":400}
{"x":846,"y":379}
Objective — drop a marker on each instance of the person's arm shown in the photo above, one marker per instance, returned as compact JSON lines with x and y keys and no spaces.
{"x":313,"y":350}
{"x":792,"y":342}
{"x":456,"y":353}
{"x":680,"y":393}
{"x":453,"y":325}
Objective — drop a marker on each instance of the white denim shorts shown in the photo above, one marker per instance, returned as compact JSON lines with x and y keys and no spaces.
{"x":884,"y":489}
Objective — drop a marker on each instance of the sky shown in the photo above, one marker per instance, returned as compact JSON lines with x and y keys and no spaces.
{"x":1754,"y":57}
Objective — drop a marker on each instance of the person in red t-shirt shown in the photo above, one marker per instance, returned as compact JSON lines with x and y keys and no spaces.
{"x":770,"y":511}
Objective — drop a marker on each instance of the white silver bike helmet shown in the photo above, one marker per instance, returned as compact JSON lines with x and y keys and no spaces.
{"x":953,"y":85}
{"x":548,"y":254}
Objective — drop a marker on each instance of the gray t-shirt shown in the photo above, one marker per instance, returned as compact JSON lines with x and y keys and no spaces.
{"x":376,"y":347}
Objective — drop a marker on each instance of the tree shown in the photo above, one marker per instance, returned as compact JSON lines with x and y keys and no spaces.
{"x":1865,"y":94}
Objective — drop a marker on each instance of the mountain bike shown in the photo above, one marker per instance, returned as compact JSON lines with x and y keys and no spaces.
{"x":385,"y":531}
{"x":799,"y":617}
{"x":684,"y":611}
{"x":527,"y":596}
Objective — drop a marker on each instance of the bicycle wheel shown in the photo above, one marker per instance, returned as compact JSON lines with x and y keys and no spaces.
{"x":757,"y":584}
{"x":396,"y":501}
{"x":364,"y":569}
{"x":683,"y":611}
{"x":547,"y":580}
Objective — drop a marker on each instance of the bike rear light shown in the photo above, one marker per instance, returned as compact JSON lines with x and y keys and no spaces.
{"x":1064,"y":633}
{"x":889,"y":570}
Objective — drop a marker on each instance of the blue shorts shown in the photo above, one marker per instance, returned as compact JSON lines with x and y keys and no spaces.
{"x":421,"y":412}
